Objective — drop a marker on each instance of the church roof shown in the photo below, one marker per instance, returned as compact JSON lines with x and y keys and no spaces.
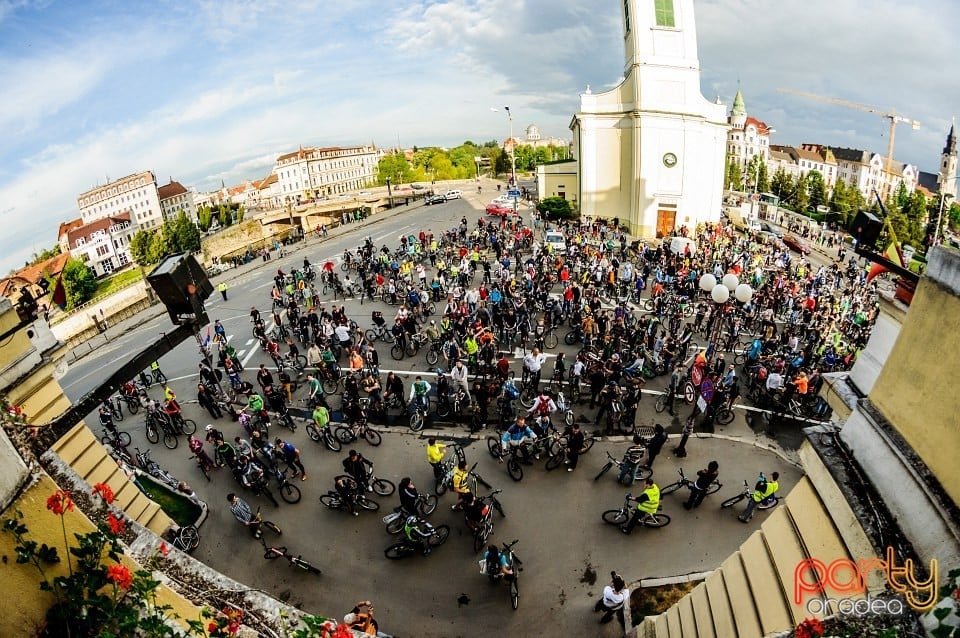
{"x":739,"y":108}
{"x":762,"y":127}
{"x":950,"y":148}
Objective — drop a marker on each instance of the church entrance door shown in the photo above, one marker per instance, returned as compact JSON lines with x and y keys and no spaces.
{"x":666,"y":219}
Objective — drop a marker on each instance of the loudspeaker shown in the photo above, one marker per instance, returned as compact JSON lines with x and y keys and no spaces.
{"x":181,"y":284}
{"x":866,"y":228}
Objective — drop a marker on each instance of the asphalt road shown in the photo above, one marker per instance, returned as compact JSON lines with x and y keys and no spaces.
{"x":567,"y":550}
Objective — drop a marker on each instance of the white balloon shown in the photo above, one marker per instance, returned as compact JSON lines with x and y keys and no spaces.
{"x":707,"y":282}
{"x":743,"y":293}
{"x":731,"y":281}
{"x":720,"y":294}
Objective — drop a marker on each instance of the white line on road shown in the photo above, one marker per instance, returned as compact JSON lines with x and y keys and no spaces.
{"x":248,"y":357}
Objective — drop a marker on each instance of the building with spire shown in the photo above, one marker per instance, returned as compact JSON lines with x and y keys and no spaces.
{"x":650,"y":151}
{"x":947,"y":178}
{"x":747,"y":138}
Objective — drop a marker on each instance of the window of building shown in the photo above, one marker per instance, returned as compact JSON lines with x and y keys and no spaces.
{"x":664,"y":13}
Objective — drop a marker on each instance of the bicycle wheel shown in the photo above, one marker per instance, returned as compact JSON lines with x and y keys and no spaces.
{"x":427,"y":505}
{"x":133,"y":406}
{"x":330,"y":385}
{"x":555,"y":461}
{"x":344,"y":434}
{"x":725,"y":416}
{"x":661,"y":404}
{"x":398,"y":550}
{"x":527,"y":396}
{"x":432,"y":357}
{"x":550,"y":341}
{"x":367,"y":504}
{"x":733,"y":500}
{"x":290,"y":493}
{"x":493,"y":445}
{"x":332,"y":501}
{"x":570,"y":338}
{"x":332,"y":442}
{"x":439,"y":536}
{"x":189,"y":426}
{"x":514,"y":469}
{"x":657,"y":520}
{"x":383,"y":487}
{"x":313,"y":432}
{"x":443,"y":409}
{"x":122,"y":437}
{"x":416,"y":421}
{"x":301,"y":362}
{"x":153,"y":434}
{"x":159,"y":377}
{"x":372,"y":436}
{"x":206,"y":471}
{"x":170,"y":440}
{"x":615,"y":517}
{"x":371,"y":335}
{"x":714,"y":487}
{"x":514,"y":592}
{"x":117,"y":413}
{"x":440,"y":487}
{"x":673,"y":487}
{"x":587,"y":444}
{"x":397,"y":521}
{"x":397,"y":353}
{"x":480,"y":539}
{"x":187,"y":539}
{"x":603,"y":470}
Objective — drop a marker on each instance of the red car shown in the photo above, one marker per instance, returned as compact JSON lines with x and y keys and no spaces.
{"x":498,"y":211}
{"x":796,"y":243}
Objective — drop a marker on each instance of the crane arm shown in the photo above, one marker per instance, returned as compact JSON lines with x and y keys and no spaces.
{"x":833,"y":100}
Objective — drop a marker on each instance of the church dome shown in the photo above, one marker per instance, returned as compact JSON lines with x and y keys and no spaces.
{"x":533,"y":133}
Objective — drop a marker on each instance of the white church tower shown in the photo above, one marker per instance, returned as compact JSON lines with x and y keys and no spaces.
{"x":651,"y":150}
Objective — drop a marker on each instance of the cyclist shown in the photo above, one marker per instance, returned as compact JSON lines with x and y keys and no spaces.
{"x":408,"y":495}
{"x":461,"y":485}
{"x":157,"y":373}
{"x":358,"y":467}
{"x":418,"y":390}
{"x":614,"y":596}
{"x":291,"y":455}
{"x":763,"y":490}
{"x":196,"y":446}
{"x":542,"y":406}
{"x":106,"y":420}
{"x":435,"y":452}
{"x":321,"y":416}
{"x":474,"y":511}
{"x":264,"y":378}
{"x":347,"y":489}
{"x":172,"y":410}
{"x":241,"y":510}
{"x":517,"y":436}
{"x":394,"y":388}
{"x":364,"y":622}
{"x":415,"y":535}
{"x":495,"y":564}
{"x":255,"y":403}
{"x":315,"y":390}
{"x":647,"y":503}
{"x":631,"y":461}
{"x":532,"y":364}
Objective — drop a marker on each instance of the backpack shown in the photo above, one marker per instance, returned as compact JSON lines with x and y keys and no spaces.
{"x":762,"y":374}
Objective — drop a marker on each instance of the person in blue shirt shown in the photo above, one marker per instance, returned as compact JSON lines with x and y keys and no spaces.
{"x":756,"y":346}
{"x":517,"y":436}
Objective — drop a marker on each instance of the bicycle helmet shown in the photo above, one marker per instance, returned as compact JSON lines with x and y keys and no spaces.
{"x":411,"y":520}
{"x":208,"y":427}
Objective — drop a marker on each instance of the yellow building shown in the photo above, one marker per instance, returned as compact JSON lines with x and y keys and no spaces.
{"x":888,"y":479}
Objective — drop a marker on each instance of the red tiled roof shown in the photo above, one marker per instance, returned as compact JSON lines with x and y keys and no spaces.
{"x":66,"y":227}
{"x":101,"y":224}
{"x":267,"y":181}
{"x":52,"y":266}
{"x":762,"y":127}
{"x":170,"y":190}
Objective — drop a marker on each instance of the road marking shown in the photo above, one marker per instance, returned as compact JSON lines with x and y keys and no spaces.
{"x":249,"y":341}
{"x":264,"y":285}
{"x":248,"y":357}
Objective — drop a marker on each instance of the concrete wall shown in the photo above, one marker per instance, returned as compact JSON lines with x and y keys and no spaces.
{"x":79,"y":326}
{"x":917,"y":389}
{"x":239,"y":237}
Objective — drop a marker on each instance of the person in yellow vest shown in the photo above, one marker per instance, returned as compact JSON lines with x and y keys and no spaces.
{"x":647,"y":503}
{"x":763,"y":490}
{"x":435,"y":452}
{"x":223,"y":289}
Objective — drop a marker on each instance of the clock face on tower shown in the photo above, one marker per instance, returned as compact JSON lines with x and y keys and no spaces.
{"x":669,"y":160}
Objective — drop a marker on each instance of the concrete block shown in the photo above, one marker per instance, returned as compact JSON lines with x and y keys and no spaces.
{"x":769,"y":596}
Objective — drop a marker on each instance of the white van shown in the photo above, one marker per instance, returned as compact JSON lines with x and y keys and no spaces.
{"x":453,"y":195}
{"x":555,"y":239}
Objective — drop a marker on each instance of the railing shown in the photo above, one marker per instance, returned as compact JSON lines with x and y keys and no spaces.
{"x":63,"y":316}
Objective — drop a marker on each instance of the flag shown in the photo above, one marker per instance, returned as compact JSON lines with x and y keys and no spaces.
{"x":894,"y":254}
{"x":60,"y":294}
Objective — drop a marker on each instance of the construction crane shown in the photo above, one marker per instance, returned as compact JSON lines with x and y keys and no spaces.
{"x":890,"y":115}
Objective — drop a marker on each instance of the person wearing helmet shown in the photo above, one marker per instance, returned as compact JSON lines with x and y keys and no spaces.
{"x":415,"y":534}
{"x":432,"y":331}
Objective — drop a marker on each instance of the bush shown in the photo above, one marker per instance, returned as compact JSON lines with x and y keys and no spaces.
{"x":554,"y":208}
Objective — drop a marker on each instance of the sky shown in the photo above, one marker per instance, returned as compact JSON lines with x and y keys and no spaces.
{"x":204,"y":91}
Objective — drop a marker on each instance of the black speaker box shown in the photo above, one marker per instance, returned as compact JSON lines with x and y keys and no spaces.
{"x":179,"y":281}
{"x":866,"y":228}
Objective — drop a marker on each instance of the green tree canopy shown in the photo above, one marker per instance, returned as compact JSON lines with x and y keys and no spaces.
{"x":734,"y":177}
{"x":816,"y":189}
{"x":79,"y":282}
{"x":553,"y":208}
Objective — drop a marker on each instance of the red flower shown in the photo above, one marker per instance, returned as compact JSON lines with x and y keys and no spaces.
{"x":104,"y":491}
{"x":117,"y":525}
{"x":810,"y":628}
{"x":164,"y":549}
{"x":60,"y":502}
{"x":120,"y":576}
{"x":212,"y":627}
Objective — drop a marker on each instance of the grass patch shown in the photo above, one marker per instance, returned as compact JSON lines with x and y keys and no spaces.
{"x":179,"y":508}
{"x":118,"y":281}
{"x":652,"y":601}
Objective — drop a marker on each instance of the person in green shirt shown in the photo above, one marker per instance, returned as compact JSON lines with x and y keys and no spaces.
{"x":321,"y":416}
{"x":255,"y":402}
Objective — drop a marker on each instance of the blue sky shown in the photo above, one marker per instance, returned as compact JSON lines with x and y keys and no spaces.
{"x":204,"y":90}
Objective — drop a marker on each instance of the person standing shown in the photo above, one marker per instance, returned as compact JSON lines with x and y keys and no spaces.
{"x":631,"y":461}
{"x":292,"y":456}
{"x":614,"y":597}
{"x":676,"y":378}
{"x":704,"y":478}
{"x":435,"y":452}
{"x":207,"y":400}
{"x":223,"y":289}
{"x":655,"y":444}
{"x":574,"y":445}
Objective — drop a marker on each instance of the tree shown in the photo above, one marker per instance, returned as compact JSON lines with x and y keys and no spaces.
{"x":763,"y":181}
{"x":204,"y":218}
{"x":816,"y":189}
{"x":394,"y":167}
{"x":953,"y":216}
{"x":187,"y":234}
{"x":141,"y":247}
{"x":44,"y":255}
{"x":553,"y":208}
{"x":734,"y":178}
{"x":799,"y":200}
{"x":79,"y":282}
{"x":782,"y":184}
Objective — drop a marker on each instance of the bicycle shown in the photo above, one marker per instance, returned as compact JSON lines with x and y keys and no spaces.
{"x":203,"y":465}
{"x":484,"y":528}
{"x":113,"y":404}
{"x":334,"y":501}
{"x":115,"y":437}
{"x":426,"y":505}
{"x":688,"y":483}
{"x":622,"y":515}
{"x":258,"y":524}
{"x":438,"y":536}
{"x":513,"y":563}
{"x":271,"y":553}
{"x":765,"y":504}
{"x":153,"y":468}
{"x":324,"y":434}
{"x":350,"y":433}
{"x":185,"y":538}
{"x":418,"y":414}
{"x":381,"y":332}
{"x":155,"y":423}
{"x":642,"y":473}
{"x":451,"y":405}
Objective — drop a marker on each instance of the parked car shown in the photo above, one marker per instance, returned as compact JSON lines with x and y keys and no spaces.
{"x":770,"y":228}
{"x":499,"y":211}
{"x":453,"y":194}
{"x":796,"y":243}
{"x":555,"y":239}
{"x":434,"y":199}
{"x":417,"y":187}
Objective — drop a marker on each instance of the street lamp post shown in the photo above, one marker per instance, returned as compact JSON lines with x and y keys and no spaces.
{"x":720,"y":292}
{"x":513,"y":146}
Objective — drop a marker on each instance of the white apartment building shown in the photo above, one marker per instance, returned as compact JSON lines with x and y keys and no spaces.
{"x":136,"y":194}
{"x":103,"y":244}
{"x":175,"y":199}
{"x":748,"y":137}
{"x":866,"y":171}
{"x":314,"y":172}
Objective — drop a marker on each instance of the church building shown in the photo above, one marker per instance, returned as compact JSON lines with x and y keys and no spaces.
{"x":651,"y":151}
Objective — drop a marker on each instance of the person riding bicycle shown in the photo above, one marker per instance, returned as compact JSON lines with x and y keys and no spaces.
{"x":172,"y":410}
{"x":414,"y":534}
{"x":106,"y":420}
{"x":196,"y":446}
{"x":474,"y":511}
{"x":419,"y":390}
{"x":647,"y":503}
{"x":250,"y":473}
{"x":348,"y":490}
{"x":762,"y":491}
{"x":408,"y":495}
{"x":517,"y":436}
{"x":358,"y":467}
{"x":495,"y":564}
{"x":542,"y":406}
